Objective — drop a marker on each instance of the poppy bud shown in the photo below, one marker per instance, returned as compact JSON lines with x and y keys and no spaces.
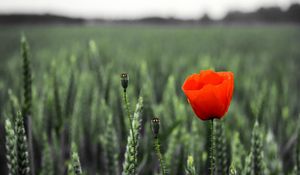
{"x":155,"y":126}
{"x":124,"y":80}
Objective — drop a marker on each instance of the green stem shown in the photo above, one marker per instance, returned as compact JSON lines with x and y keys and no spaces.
{"x":160,"y":157}
{"x":130,"y":119}
{"x":128,"y":113}
{"x":211,"y":147}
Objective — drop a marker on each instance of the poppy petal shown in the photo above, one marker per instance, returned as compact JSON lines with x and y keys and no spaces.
{"x":206,"y":105}
{"x":193,"y":82}
{"x":210,"y":77}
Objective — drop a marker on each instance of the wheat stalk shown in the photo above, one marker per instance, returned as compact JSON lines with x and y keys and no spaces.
{"x":75,"y":162}
{"x":11,"y":150}
{"x":221,"y":147}
{"x":190,"y":167}
{"x":27,"y":93}
{"x":256,"y":151}
{"x":130,"y":163}
{"x":110,"y":143}
{"x":22,"y":147}
{"x":47,"y":159}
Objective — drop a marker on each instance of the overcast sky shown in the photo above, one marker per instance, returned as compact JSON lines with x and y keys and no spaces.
{"x":137,"y":8}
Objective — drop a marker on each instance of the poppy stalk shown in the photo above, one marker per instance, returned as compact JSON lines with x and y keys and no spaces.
{"x":211,"y":147}
{"x":124,"y":83}
{"x":155,"y":123}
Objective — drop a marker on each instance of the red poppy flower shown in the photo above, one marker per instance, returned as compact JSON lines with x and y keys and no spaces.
{"x":209,"y":93}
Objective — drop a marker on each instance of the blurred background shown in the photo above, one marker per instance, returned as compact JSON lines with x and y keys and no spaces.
{"x":77,"y":50}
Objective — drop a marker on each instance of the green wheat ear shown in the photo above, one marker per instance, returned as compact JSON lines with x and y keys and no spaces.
{"x":110,"y":143}
{"x":130,"y":162}
{"x":22,"y":147}
{"x":247,"y":167}
{"x":76,"y":166}
{"x":14,"y":104}
{"x":27,"y":95}
{"x":221,"y":147}
{"x":256,"y":151}
{"x":58,"y":109}
{"x":171,"y":150}
{"x":11,"y":150}
{"x":190,"y":168}
{"x":238,"y":153}
{"x":232,"y":170}
{"x":47,"y":159}
{"x":27,"y":79}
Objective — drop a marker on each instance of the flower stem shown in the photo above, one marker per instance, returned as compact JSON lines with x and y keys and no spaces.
{"x":128,"y":113}
{"x":211,"y":147}
{"x":160,"y":157}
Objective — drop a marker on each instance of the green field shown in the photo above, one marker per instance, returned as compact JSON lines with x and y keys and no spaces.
{"x":76,"y":93}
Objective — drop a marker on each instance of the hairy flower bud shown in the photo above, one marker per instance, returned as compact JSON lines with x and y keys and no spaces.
{"x":155,"y":126}
{"x":124,"y":80}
